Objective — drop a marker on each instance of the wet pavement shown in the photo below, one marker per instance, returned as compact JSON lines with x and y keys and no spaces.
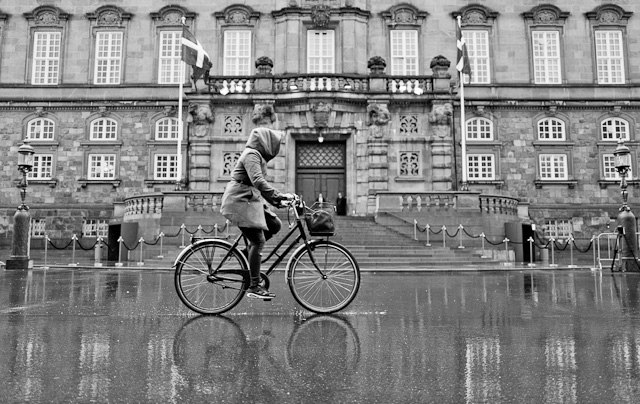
{"x":123,"y":336}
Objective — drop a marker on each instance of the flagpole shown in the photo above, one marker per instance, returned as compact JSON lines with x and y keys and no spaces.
{"x":180,"y":123}
{"x":463,"y":136}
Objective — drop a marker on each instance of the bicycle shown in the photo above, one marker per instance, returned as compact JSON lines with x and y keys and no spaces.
{"x":212,"y":275}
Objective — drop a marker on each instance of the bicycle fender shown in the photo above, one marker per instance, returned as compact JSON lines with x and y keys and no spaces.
{"x":197,"y":243}
{"x":287,"y":272}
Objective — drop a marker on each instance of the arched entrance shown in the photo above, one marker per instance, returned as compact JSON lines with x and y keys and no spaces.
{"x":320,"y":168}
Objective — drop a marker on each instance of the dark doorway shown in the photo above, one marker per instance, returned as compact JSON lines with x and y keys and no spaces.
{"x":320,"y":169}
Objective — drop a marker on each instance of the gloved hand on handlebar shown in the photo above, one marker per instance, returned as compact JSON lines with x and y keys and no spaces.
{"x":284,"y":197}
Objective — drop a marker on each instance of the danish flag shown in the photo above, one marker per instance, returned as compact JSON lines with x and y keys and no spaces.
{"x":194,"y":54}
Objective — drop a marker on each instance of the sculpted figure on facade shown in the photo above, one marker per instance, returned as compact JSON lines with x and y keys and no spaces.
{"x":440,"y":119}
{"x":262,"y":112}
{"x":321,"y":113}
{"x":201,"y":118}
{"x":378,"y":116}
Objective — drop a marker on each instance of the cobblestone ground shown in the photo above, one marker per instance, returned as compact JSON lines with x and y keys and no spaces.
{"x":96,"y":335}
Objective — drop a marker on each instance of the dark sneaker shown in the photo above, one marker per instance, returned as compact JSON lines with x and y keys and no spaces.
{"x":259,"y":292}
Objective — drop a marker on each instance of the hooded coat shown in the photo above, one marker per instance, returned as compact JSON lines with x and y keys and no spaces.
{"x":243,"y":199}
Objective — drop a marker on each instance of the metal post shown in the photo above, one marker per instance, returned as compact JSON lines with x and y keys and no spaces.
{"x":226,"y":225}
{"x":444,"y":236}
{"x":570,"y":240}
{"x":593,"y":244}
{"x":428,"y":230}
{"x":141,"y":243}
{"x":98,"y":253}
{"x":46,"y":249}
{"x":182,"y":227}
{"x":552,"y":241}
{"x":215,"y":230}
{"x":120,"y":241}
{"x":199,"y":232}
{"x":415,"y":229}
{"x":506,"y":251}
{"x":484,"y":255}
{"x":460,"y":230}
{"x":74,"y":239}
{"x":161,"y":235}
{"x":531,"y":264}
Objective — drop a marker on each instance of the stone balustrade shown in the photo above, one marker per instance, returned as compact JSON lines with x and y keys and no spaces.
{"x":498,"y":204}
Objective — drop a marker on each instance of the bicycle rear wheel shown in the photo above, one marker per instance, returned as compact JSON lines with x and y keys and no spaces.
{"x":331,"y":292}
{"x":204,"y":291}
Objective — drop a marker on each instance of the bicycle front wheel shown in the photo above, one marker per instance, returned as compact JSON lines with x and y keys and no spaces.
{"x":329,"y":285}
{"x":211,"y":277}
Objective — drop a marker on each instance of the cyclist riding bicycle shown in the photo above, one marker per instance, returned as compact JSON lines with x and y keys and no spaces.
{"x":244,"y":198}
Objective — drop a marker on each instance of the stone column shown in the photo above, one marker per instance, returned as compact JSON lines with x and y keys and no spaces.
{"x":377,"y":152}
{"x":199,"y":151}
{"x":441,"y":146}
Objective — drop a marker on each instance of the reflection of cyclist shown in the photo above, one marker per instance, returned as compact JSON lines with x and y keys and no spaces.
{"x":243,"y":201}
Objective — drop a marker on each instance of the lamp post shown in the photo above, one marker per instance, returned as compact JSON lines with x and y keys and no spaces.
{"x":22,"y":219}
{"x":626,"y":219}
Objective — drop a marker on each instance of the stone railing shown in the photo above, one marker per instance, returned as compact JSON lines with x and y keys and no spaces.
{"x":416,"y":85}
{"x":150,"y":205}
{"x":417,"y":201}
{"x":498,"y":204}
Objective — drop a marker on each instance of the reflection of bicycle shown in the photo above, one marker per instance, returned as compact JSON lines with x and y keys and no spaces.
{"x":212,"y":275}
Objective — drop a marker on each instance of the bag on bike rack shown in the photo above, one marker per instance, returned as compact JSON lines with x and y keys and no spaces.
{"x":320,"y":223}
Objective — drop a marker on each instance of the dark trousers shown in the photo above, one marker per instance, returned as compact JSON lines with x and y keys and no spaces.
{"x":257,"y":238}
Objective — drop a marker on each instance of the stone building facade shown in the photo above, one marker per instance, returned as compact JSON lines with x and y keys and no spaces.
{"x":366,"y":93}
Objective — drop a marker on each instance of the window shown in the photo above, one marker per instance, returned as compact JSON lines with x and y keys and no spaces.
{"x":480,"y":167}
{"x":609,"y":171}
{"x":104,"y":129}
{"x":558,"y":228}
{"x":546,"y":57}
{"x":95,"y":228}
{"x":479,"y":129}
{"x":237,"y":53}
{"x":614,"y":129}
{"x":409,"y":164}
{"x":46,"y":58}
{"x":478,"y":49}
{"x":38,"y":228}
{"x":42,"y":167}
{"x":41,"y":129}
{"x":609,"y":57}
{"x":404,"y":52}
{"x":165,"y":167}
{"x":551,"y":129}
{"x":553,"y":166}
{"x":102,"y":166}
{"x":320,"y":51}
{"x":167,"y":129}
{"x":108,"y":58}
{"x":170,"y":63}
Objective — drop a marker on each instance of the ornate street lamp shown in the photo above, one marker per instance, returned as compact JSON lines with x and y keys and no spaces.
{"x":626,"y":219}
{"x":22,"y":219}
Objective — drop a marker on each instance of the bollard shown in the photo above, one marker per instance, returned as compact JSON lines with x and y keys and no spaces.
{"x":484,"y":255}
{"x":199,"y":231}
{"x":120,"y":241}
{"x":97,"y":256}
{"x":428,"y":230}
{"x":226,"y":225}
{"x":460,"y":229}
{"x":444,"y":236}
{"x":531,"y":264}
{"x":46,"y":245}
{"x":73,"y":249}
{"x":182,"y":227}
{"x":506,"y":251}
{"x":161,"y":235}
{"x":140,"y":243}
{"x":553,"y":244}
{"x":415,"y":229}
{"x":215,"y":230}
{"x":570,"y":240}
{"x":595,"y":266}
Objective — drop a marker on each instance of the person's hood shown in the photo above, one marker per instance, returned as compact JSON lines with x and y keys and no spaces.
{"x":266,"y":141}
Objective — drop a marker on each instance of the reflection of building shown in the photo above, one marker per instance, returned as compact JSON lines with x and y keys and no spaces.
{"x":96,"y":90}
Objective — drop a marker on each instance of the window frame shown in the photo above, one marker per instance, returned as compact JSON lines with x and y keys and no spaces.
{"x":331,"y":59}
{"x":102,"y":124}
{"x":37,"y":157}
{"x":94,"y":228}
{"x":171,"y":165}
{"x":537,"y":72}
{"x":97,"y":59}
{"x":404,"y":58}
{"x":171,"y":65}
{"x":610,"y":168}
{"x":565,"y":176}
{"x":479,"y":138}
{"x":57,"y":59}
{"x":474,"y":59}
{"x":562,"y":126}
{"x":31,"y":128}
{"x":491,"y":177}
{"x":160,"y":123}
{"x":609,"y":59}
{"x":38,"y":227}
{"x":625,"y":125}
{"x":91,"y":174}
{"x":243,"y":62}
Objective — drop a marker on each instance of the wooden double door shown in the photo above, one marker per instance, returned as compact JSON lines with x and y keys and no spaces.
{"x":320,"y":169}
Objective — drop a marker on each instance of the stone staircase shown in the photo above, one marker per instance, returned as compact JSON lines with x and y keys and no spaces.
{"x":373,"y":245}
